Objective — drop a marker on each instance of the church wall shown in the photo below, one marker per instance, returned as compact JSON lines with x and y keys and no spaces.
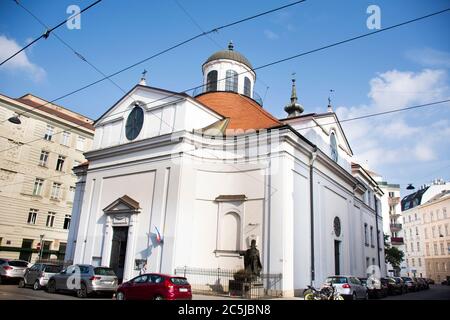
{"x":154,"y":186}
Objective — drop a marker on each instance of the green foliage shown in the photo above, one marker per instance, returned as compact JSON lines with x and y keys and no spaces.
{"x":392,"y":254}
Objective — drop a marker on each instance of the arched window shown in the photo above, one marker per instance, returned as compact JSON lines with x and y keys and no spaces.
{"x":211,"y":81}
{"x":231,"y":83}
{"x":230,"y":232}
{"x":247,"y":87}
{"x":333,"y":146}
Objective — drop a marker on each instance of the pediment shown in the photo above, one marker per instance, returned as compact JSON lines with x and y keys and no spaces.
{"x":124,"y":204}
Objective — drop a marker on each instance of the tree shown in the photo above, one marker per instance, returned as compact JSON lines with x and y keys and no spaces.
{"x":392,"y":254}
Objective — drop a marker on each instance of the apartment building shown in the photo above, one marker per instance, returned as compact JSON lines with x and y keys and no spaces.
{"x":426,"y":223}
{"x":38,"y":150}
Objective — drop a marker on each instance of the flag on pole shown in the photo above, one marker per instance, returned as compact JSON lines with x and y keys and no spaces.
{"x":159,"y":239}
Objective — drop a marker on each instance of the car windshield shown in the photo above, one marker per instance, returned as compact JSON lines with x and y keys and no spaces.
{"x":338,"y":280}
{"x":407,"y":279}
{"x":104,"y":271}
{"x":17,"y":263}
{"x":53,"y":269}
{"x":363,"y":281}
{"x":179,"y":281}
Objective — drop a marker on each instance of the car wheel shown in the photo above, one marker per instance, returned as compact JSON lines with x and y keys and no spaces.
{"x":120,"y":296}
{"x":158,"y":297}
{"x":354,"y":296}
{"x":82,"y":292}
{"x":36,"y":285}
{"x":21,"y":283}
{"x":51,"y":287}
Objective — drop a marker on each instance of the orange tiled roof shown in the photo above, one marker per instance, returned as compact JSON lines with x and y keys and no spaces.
{"x":243,"y":112}
{"x":53,"y":109}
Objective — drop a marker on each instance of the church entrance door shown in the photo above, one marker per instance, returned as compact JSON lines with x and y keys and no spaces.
{"x":337,"y":260}
{"x":118,"y":251}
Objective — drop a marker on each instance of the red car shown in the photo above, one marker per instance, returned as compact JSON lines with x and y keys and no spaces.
{"x":155,"y":286}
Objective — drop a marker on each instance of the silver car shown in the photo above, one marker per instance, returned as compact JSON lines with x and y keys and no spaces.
{"x":12,"y":269}
{"x":84,"y":279}
{"x":38,"y":275}
{"x":349,"y":287}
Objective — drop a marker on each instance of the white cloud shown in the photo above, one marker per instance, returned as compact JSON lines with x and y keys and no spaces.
{"x":271,"y":35}
{"x":20,"y":63}
{"x":394,"y":140}
{"x":399,"y":89}
{"x":429,"y":57}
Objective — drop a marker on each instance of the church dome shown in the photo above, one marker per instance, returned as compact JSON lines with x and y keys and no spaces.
{"x":230,"y":54}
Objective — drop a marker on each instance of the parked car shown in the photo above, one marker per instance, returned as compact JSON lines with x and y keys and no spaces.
{"x":411,"y":284}
{"x":155,"y":286}
{"x":376,"y":288}
{"x":38,"y":275}
{"x":349,"y":287}
{"x":421,"y":283}
{"x":12,"y":269}
{"x":395,"y":285}
{"x":430,"y":281}
{"x":84,"y":280}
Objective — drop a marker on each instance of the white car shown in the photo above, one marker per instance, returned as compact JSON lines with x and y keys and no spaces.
{"x":349,"y":287}
{"x":12,"y":269}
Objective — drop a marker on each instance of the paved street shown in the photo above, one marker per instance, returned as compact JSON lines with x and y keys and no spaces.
{"x":436,"y":292}
{"x":12,"y":292}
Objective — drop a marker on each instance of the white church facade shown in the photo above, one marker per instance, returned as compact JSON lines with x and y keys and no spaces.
{"x":176,"y":180}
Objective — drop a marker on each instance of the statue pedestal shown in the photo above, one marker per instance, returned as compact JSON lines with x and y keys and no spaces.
{"x":245,"y":289}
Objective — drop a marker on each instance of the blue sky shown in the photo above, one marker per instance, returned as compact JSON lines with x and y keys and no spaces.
{"x":398,"y":68}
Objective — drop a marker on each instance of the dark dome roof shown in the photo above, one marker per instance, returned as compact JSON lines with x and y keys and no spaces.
{"x":230,"y":54}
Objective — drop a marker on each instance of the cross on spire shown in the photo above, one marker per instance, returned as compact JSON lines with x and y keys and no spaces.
{"x":143,"y":78}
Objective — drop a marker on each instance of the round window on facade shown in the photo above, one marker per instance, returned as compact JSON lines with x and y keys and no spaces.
{"x":134,"y":123}
{"x":337,"y":226}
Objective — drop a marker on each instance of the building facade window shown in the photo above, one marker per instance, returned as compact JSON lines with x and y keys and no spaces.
{"x":247,"y":87}
{"x":391,"y":194}
{"x":80,"y":143}
{"x":43,"y":160}
{"x":211,"y":81}
{"x":49,"y":133}
{"x":32,"y":216}
{"x":71,"y":193}
{"x":435,"y":249}
{"x":418,"y":246}
{"x":427,"y":248}
{"x":67,"y":220}
{"x":50,"y":219}
{"x":371,"y":236}
{"x":442,"y":249}
{"x":366,"y":235}
{"x":417,"y":231}
{"x":37,"y":190}
{"x":60,"y":163}
{"x":231,"y":82}
{"x":65,"y":138}
{"x":56,"y":191}
{"x":334,"y":150}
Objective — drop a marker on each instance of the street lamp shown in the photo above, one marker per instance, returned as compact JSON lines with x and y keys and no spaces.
{"x":15,"y":119}
{"x":42,"y":246}
{"x":410,"y":187}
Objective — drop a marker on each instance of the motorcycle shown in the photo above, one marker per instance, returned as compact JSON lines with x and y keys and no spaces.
{"x":327,"y":292}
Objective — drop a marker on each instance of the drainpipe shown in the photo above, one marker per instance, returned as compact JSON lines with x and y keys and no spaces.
{"x":311,"y":203}
{"x":376,"y":226}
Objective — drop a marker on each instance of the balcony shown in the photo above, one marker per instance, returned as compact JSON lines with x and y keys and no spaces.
{"x":397,"y":241}
{"x":395,"y":227}
{"x":393,"y":201}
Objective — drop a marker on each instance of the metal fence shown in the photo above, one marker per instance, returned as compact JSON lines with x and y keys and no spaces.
{"x":54,"y":261}
{"x":225,"y":282}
